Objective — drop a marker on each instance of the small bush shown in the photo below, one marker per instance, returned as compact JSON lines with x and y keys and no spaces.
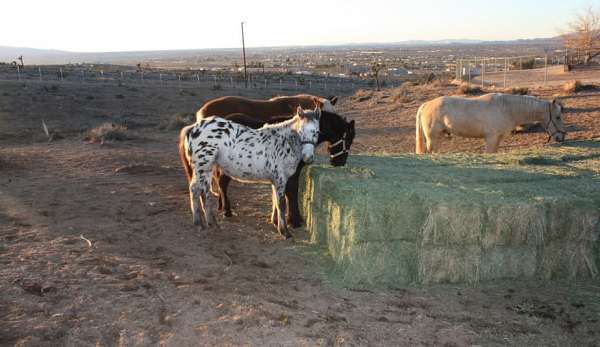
{"x":178,"y":121}
{"x":576,"y":87}
{"x":107,"y":132}
{"x":467,"y":89}
{"x":518,"y":91}
{"x":401,"y":95}
{"x":528,"y":64}
{"x":120,"y":96}
{"x":217,"y":87}
{"x":90,"y":97}
{"x":363,"y":95}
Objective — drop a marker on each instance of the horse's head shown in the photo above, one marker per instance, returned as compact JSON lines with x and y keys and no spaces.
{"x":326,"y":104}
{"x":340,"y":134}
{"x":554,"y":124}
{"x":309,"y":132}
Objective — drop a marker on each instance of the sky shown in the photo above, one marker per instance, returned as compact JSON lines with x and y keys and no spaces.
{"x":132,"y":25}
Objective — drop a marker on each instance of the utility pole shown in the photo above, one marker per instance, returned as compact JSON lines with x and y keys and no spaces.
{"x":244,"y":52}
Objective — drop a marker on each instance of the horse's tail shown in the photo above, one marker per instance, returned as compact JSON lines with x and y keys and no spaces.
{"x":420,"y":143}
{"x":182,"y":155}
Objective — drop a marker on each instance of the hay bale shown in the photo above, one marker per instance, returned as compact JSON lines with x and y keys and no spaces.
{"x":403,"y":220}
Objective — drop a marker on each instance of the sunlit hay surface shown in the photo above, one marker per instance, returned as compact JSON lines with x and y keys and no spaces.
{"x":403,"y":220}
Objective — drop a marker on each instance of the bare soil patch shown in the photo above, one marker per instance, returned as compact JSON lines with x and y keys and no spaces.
{"x":97,"y":245}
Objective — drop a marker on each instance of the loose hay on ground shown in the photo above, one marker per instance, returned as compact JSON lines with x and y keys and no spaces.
{"x":461,"y":218}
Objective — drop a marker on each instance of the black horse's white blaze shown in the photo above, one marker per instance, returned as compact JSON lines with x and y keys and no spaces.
{"x":270,"y":155}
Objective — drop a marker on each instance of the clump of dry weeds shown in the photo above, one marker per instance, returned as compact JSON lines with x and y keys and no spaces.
{"x":576,"y":87}
{"x":107,"y":132}
{"x":468,"y":89}
{"x":177,"y":121}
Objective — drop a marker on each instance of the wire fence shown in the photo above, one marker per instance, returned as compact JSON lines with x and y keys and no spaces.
{"x":510,"y":71}
{"x":186,"y":79}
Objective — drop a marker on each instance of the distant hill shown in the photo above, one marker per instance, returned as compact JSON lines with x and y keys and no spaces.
{"x":9,"y":54}
{"x":47,"y":56}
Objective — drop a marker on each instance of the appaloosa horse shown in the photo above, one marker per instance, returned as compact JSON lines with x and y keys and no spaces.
{"x":270,"y":154}
{"x":334,"y":129}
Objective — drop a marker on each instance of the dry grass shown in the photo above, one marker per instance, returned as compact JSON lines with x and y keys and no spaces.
{"x":178,"y":121}
{"x":107,"y":132}
{"x":402,"y":94}
{"x":363,"y":95}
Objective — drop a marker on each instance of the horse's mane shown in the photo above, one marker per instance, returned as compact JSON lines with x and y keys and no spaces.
{"x":520,"y":103}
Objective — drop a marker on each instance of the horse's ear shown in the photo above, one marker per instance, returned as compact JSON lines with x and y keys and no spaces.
{"x":318,"y":102}
{"x":333,"y":99}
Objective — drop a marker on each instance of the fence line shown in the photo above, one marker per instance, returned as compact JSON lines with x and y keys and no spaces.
{"x":188,"y":79}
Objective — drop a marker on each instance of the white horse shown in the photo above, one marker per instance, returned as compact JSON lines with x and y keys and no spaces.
{"x":270,"y":154}
{"x":491,"y":116}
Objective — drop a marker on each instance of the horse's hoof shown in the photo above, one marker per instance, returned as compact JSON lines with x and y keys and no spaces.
{"x":228,"y":214}
{"x":197,"y":221}
{"x":295,"y":224}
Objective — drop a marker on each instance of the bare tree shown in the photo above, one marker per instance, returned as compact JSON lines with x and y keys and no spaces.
{"x":376,"y":70}
{"x":584,"y":34}
{"x":21,"y":60}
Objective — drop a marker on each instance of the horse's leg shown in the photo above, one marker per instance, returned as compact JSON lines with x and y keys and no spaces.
{"x":491,"y":143}
{"x":431,"y":140}
{"x":217,"y":188}
{"x":279,"y":193}
{"x":274,"y":210}
{"x":224,"y":204}
{"x":205,"y":181}
{"x":195,"y":190}
{"x":291,"y":193}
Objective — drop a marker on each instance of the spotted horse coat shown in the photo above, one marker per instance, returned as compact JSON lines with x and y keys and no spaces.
{"x":269,"y":155}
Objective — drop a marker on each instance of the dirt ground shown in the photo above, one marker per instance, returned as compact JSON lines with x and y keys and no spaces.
{"x":97,"y":247}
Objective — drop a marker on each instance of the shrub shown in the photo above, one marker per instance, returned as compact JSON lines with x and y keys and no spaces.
{"x":363,"y":95}
{"x":576,"y":87}
{"x":467,"y":89}
{"x":524,"y":65}
{"x":217,"y":87}
{"x":178,"y":121}
{"x":107,"y":132}
{"x":401,"y":95}
{"x":518,"y":91}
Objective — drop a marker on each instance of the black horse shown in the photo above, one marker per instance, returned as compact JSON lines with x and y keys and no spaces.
{"x":333,"y":129}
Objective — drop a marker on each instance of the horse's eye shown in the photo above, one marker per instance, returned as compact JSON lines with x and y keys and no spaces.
{"x":558,"y":118}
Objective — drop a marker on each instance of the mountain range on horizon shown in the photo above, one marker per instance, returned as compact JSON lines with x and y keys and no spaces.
{"x":55,"y":56}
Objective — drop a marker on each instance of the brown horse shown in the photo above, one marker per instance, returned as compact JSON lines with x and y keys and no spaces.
{"x":264,"y":109}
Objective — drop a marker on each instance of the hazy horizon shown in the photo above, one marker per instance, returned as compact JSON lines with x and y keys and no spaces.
{"x":113,"y":26}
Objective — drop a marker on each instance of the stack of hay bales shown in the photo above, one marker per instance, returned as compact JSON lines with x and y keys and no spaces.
{"x":403,"y":220}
